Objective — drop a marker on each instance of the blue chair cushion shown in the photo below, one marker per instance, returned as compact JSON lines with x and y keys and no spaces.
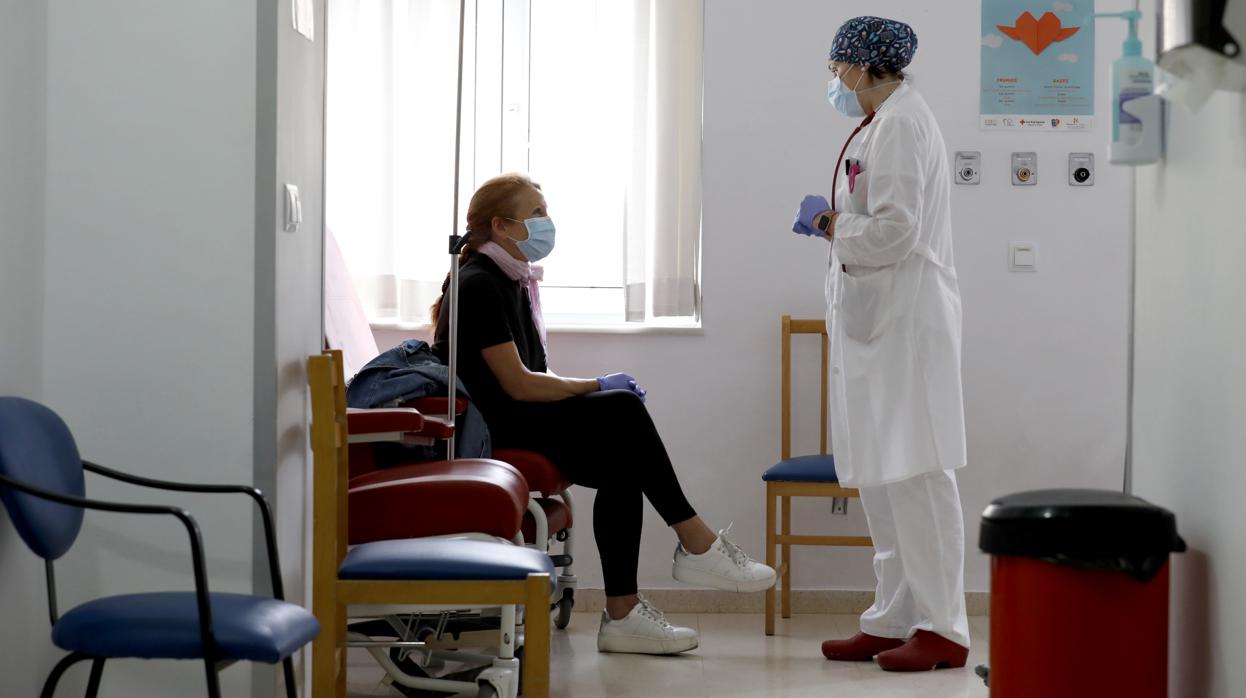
{"x":166,"y":626}
{"x":432,"y":559}
{"x":803,"y":469}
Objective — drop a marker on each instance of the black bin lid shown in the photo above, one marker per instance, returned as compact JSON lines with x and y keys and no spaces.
{"x":1101,"y":529}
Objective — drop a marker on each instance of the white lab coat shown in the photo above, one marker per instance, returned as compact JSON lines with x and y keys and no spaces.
{"x":894,"y":315}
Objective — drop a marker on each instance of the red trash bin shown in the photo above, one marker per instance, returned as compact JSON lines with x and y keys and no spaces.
{"x":1079,"y":594}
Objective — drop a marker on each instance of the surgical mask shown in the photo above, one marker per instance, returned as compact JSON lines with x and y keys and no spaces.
{"x":540,"y":240}
{"x":845,"y":99}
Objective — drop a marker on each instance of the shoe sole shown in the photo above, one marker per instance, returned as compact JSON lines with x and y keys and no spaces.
{"x":850,"y":657}
{"x":714,"y":581}
{"x":922,"y":669}
{"x":631,"y":644}
{"x":956,"y":663}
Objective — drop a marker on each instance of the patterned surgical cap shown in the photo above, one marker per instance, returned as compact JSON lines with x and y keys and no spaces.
{"x":879,"y":43}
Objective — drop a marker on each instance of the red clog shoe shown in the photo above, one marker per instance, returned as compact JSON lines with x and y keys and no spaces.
{"x":859,"y":648}
{"x":925,"y":652}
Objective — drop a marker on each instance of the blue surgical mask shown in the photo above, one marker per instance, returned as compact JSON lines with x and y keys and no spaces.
{"x":844,"y":99}
{"x":540,"y":240}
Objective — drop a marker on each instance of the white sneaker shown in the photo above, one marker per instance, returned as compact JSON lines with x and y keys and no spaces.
{"x":724,"y":566}
{"x":644,"y":631}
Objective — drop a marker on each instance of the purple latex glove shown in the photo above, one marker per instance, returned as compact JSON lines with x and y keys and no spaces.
{"x":621,"y":381}
{"x":802,"y":229}
{"x":810,"y":206}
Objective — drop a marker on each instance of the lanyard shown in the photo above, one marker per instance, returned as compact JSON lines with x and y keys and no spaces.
{"x":840,"y":163}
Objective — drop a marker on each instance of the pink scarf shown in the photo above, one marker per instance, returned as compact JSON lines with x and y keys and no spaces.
{"x":525,"y":272}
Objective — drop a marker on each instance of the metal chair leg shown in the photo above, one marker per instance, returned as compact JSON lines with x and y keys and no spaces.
{"x":213,"y":678}
{"x":287,"y":669}
{"x":97,"y":672}
{"x":49,"y":686}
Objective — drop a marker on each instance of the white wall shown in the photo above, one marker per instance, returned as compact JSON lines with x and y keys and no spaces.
{"x":151,"y":297}
{"x":150,"y":293}
{"x":1044,"y":352}
{"x":23,"y":61}
{"x":1190,"y":403}
{"x":23,"y":49}
{"x":289,"y":280}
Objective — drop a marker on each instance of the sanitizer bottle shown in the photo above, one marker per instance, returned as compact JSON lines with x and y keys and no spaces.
{"x":1133,"y":77}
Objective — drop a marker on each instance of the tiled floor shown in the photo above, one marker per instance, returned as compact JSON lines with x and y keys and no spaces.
{"x":734,"y":659}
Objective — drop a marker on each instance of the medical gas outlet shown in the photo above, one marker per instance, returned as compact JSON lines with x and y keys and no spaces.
{"x":1081,"y":169}
{"x":1024,"y":169}
{"x":968,"y":167}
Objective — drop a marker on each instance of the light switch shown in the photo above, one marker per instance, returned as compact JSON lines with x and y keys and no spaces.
{"x":1023,"y":256}
{"x":294,"y":209}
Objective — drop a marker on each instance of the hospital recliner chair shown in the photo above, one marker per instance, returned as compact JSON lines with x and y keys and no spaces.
{"x":549,"y":517}
{"x":43,"y":487}
{"x":463,"y":499}
{"x":387,"y":576}
{"x":802,"y":476}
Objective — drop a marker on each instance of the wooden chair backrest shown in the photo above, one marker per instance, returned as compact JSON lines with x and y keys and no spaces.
{"x":330,"y":476}
{"x":789,"y":328}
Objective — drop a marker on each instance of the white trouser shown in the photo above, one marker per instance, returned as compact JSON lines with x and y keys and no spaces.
{"x":919,"y":558}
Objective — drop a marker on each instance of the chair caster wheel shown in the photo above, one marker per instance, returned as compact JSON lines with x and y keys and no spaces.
{"x":563,"y":619}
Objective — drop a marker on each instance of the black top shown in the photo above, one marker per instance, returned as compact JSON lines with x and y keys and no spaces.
{"x":493,"y":310}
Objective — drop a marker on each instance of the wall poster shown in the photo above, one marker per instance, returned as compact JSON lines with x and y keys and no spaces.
{"x":1038,"y":65}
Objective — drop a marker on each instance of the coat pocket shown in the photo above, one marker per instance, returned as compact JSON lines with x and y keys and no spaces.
{"x":866,"y":304}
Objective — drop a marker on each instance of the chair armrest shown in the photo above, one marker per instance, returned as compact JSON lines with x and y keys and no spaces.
{"x":389,"y":425}
{"x":266,"y":515}
{"x":437,"y":428}
{"x":206,"y":635}
{"x":383,"y":421}
{"x":438,"y":424}
{"x":438,"y":405}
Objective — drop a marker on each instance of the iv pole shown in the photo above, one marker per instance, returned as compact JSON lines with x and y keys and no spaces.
{"x":456,"y":245}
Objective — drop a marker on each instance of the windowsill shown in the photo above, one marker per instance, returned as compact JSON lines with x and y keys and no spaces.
{"x":617,"y":328}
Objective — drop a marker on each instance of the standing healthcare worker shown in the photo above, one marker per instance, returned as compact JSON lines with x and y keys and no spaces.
{"x":894,"y":317}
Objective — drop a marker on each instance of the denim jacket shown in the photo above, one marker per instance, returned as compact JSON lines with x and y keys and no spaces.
{"x":410,"y":371}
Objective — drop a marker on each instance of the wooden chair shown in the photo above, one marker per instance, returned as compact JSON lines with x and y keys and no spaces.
{"x":803,"y":476}
{"x":426,"y":571}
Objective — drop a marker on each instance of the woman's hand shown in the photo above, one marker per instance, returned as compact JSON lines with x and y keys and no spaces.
{"x":811,"y":208}
{"x":621,"y":381}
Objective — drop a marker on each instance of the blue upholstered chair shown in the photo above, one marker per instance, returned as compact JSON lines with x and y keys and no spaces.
{"x":43,"y":487}
{"x":802,"y":476}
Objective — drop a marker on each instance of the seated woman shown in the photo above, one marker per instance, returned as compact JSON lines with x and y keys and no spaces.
{"x":596,"y":430}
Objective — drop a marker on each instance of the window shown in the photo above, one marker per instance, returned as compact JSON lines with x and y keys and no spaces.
{"x":599,"y":100}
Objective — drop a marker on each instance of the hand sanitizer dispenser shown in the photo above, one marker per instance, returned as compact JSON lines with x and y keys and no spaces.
{"x":1137,"y":113}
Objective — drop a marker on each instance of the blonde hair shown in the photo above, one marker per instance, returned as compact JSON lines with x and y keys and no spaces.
{"x":495,"y":198}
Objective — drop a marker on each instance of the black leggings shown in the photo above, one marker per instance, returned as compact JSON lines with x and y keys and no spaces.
{"x":608,"y":442}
